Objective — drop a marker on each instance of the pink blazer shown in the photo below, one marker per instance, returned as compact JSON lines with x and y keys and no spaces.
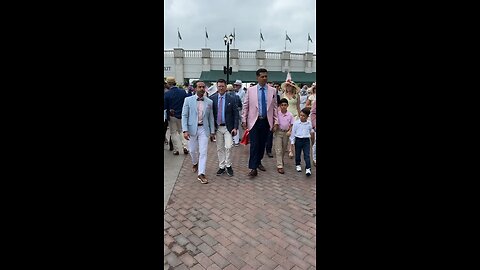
{"x":250,"y":111}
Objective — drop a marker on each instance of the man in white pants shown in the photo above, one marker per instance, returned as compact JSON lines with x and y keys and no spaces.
{"x":198,"y":125}
{"x":173,"y":101}
{"x":225,"y":111}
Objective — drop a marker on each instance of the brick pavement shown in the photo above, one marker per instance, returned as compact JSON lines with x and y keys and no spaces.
{"x":239,"y":223}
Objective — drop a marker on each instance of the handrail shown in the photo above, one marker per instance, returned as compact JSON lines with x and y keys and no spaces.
{"x":241,"y":54}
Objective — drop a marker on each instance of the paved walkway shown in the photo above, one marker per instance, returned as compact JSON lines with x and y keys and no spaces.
{"x":239,"y":223}
{"x":172,"y":166}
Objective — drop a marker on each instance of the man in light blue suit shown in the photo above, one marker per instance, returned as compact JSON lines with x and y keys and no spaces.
{"x":197,"y":126}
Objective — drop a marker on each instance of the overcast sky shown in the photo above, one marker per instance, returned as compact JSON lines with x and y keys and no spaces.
{"x":274,"y":17}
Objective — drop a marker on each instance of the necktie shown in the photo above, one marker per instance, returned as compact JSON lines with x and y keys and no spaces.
{"x":220,"y":110}
{"x":200,"y":111}
{"x":199,"y":99}
{"x":264,"y":103}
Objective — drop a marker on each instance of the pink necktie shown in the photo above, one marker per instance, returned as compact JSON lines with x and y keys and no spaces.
{"x":200,"y":111}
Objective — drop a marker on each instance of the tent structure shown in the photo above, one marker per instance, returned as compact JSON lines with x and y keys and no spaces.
{"x":249,"y":76}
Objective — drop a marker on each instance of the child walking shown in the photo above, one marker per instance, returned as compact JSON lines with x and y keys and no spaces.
{"x":282,"y":133}
{"x":302,"y":132}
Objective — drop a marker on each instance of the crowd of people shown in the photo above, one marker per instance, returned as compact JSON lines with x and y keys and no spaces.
{"x":278,"y":116}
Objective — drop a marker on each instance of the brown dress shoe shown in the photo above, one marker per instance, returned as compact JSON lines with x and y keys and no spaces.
{"x":185,"y":151}
{"x":261,"y":168}
{"x":195,"y":168}
{"x":253,"y":173}
{"x":202,"y":179}
{"x":280,"y":170}
{"x":175,"y":153}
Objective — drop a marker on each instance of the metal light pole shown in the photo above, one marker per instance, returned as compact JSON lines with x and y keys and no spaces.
{"x":228,"y":70}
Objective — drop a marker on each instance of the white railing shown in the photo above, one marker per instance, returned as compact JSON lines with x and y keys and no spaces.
{"x":192,"y":53}
{"x":296,"y":56}
{"x":241,"y":54}
{"x":247,"y":54}
{"x":219,"y":54}
{"x":273,"y":55}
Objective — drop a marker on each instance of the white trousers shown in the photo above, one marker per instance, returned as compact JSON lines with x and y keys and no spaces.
{"x":167,"y":134}
{"x":175,"y":126}
{"x":236,"y":138}
{"x":224,"y":147}
{"x":198,"y":146}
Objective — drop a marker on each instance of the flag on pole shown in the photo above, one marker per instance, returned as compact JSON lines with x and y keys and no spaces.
{"x":206,"y":33}
{"x":234,"y":33}
{"x":179,"y":36}
{"x":261,"y":36}
{"x":288,"y":38}
{"x":309,"y":38}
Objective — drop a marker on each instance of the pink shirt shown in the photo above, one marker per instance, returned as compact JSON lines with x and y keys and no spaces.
{"x":200,"y":111}
{"x":285,"y":120}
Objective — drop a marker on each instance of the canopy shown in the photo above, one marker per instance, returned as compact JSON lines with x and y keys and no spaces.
{"x":250,"y":76}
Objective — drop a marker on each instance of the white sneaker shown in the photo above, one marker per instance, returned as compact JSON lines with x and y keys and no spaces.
{"x":299,"y":168}
{"x":308,"y":172}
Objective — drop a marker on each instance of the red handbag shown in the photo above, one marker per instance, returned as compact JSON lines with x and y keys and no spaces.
{"x":245,"y":140}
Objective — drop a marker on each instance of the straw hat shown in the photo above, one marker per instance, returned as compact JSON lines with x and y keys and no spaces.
{"x":292,"y":83}
{"x":171,"y":80}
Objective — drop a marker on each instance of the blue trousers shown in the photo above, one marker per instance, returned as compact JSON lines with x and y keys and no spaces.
{"x":258,"y":137}
{"x":269,"y":143}
{"x":302,"y":144}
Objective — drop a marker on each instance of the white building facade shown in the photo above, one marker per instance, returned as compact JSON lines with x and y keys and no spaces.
{"x":189,"y":64}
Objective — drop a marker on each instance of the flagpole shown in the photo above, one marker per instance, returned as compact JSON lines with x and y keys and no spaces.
{"x":205,"y":37}
{"x":260,"y":39}
{"x":178,"y":38}
{"x":285,"y":40}
{"x":307,"y":42}
{"x":234,"y":37}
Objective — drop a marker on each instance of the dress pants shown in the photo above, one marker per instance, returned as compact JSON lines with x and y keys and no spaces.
{"x":280,"y":143}
{"x":269,"y":143}
{"x":165,"y":127}
{"x":175,"y":131}
{"x":198,"y":146}
{"x":236,"y":138}
{"x":302,"y":144}
{"x":258,"y":137}
{"x":224,"y":147}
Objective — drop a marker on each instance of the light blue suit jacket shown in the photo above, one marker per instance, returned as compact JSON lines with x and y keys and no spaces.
{"x":190,"y":115}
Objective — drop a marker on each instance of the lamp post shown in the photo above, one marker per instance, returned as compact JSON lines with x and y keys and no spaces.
{"x":228,"y":70}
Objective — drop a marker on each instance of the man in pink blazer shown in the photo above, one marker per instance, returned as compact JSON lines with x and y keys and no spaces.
{"x":259,"y":115}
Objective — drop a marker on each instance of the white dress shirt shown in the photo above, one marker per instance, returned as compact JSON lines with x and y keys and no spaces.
{"x":301,"y":130}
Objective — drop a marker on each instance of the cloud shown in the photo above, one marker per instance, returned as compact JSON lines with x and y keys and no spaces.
{"x":247,"y":16}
